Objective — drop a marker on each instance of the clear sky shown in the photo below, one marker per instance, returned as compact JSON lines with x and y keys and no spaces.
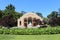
{"x":43,"y":6}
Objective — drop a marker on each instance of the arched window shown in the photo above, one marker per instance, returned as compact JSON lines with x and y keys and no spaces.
{"x":34,"y":19}
{"x":29,"y":20}
{"x":20,"y":22}
{"x":25,"y":19}
{"x":34,"y":24}
{"x":25,"y":24}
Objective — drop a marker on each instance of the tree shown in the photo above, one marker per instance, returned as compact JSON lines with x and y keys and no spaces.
{"x":54,"y":21}
{"x":17,"y":15}
{"x":10,"y":9}
{"x":23,"y":12}
{"x":7,"y":21}
{"x":54,"y":14}
{"x":39,"y":14}
{"x":10,"y":16}
{"x":45,"y":20}
{"x":1,"y":14}
{"x":59,"y":13}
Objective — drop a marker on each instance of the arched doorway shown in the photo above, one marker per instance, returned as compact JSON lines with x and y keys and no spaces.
{"x":30,"y":20}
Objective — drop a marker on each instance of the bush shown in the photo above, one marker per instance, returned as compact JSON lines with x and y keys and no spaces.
{"x":6,"y":31}
{"x":30,"y":31}
{"x":1,"y":31}
{"x":54,"y":21}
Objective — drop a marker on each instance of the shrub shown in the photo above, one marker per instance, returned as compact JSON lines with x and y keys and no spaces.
{"x":30,"y":31}
{"x":1,"y":31}
{"x":54,"y":21}
{"x":6,"y":31}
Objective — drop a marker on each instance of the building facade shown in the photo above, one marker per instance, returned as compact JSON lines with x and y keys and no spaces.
{"x":30,"y":20}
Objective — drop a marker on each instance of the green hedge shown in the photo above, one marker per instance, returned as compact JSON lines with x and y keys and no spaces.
{"x":30,"y":31}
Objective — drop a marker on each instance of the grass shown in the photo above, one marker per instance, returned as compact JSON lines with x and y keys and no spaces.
{"x":30,"y":37}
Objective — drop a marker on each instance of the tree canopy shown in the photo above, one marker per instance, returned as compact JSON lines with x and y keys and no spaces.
{"x":39,"y":14}
{"x":9,"y":16}
{"x":53,"y":14}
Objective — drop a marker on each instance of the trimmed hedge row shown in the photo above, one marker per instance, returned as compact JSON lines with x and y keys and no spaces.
{"x":31,"y":31}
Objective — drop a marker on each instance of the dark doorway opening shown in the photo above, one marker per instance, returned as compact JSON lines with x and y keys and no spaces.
{"x":29,"y":20}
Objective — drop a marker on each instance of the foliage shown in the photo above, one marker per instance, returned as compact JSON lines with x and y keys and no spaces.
{"x":31,"y":31}
{"x":10,"y":10}
{"x":39,"y":14}
{"x":23,"y":12}
{"x":54,"y":21}
{"x":1,"y":14}
{"x":7,"y":21}
{"x":9,"y":16}
{"x":45,"y":20}
{"x":54,"y":14}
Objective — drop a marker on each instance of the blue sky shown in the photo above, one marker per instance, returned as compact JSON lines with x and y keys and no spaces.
{"x":43,"y":6}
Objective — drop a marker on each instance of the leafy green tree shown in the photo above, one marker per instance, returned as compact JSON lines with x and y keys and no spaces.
{"x":23,"y":12}
{"x":54,"y":19}
{"x":59,"y":13}
{"x":7,"y":13}
{"x":45,"y":20}
{"x":39,"y":14}
{"x":7,"y":21}
{"x":10,"y":9}
{"x":1,"y":13}
{"x":17,"y":15}
{"x":54,"y":14}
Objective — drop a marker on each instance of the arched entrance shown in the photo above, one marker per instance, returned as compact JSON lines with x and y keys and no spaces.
{"x":32,"y":21}
{"x":29,"y":20}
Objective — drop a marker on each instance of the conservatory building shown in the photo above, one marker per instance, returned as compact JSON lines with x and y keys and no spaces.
{"x":30,"y":20}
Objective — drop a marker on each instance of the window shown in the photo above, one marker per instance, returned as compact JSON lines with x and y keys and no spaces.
{"x":29,"y":20}
{"x":20,"y":22}
{"x":34,"y":24}
{"x":25,"y":19}
{"x":34,"y":19}
{"x":25,"y":24}
{"x":40,"y":23}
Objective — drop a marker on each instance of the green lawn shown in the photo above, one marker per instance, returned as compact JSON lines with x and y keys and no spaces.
{"x":30,"y":37}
